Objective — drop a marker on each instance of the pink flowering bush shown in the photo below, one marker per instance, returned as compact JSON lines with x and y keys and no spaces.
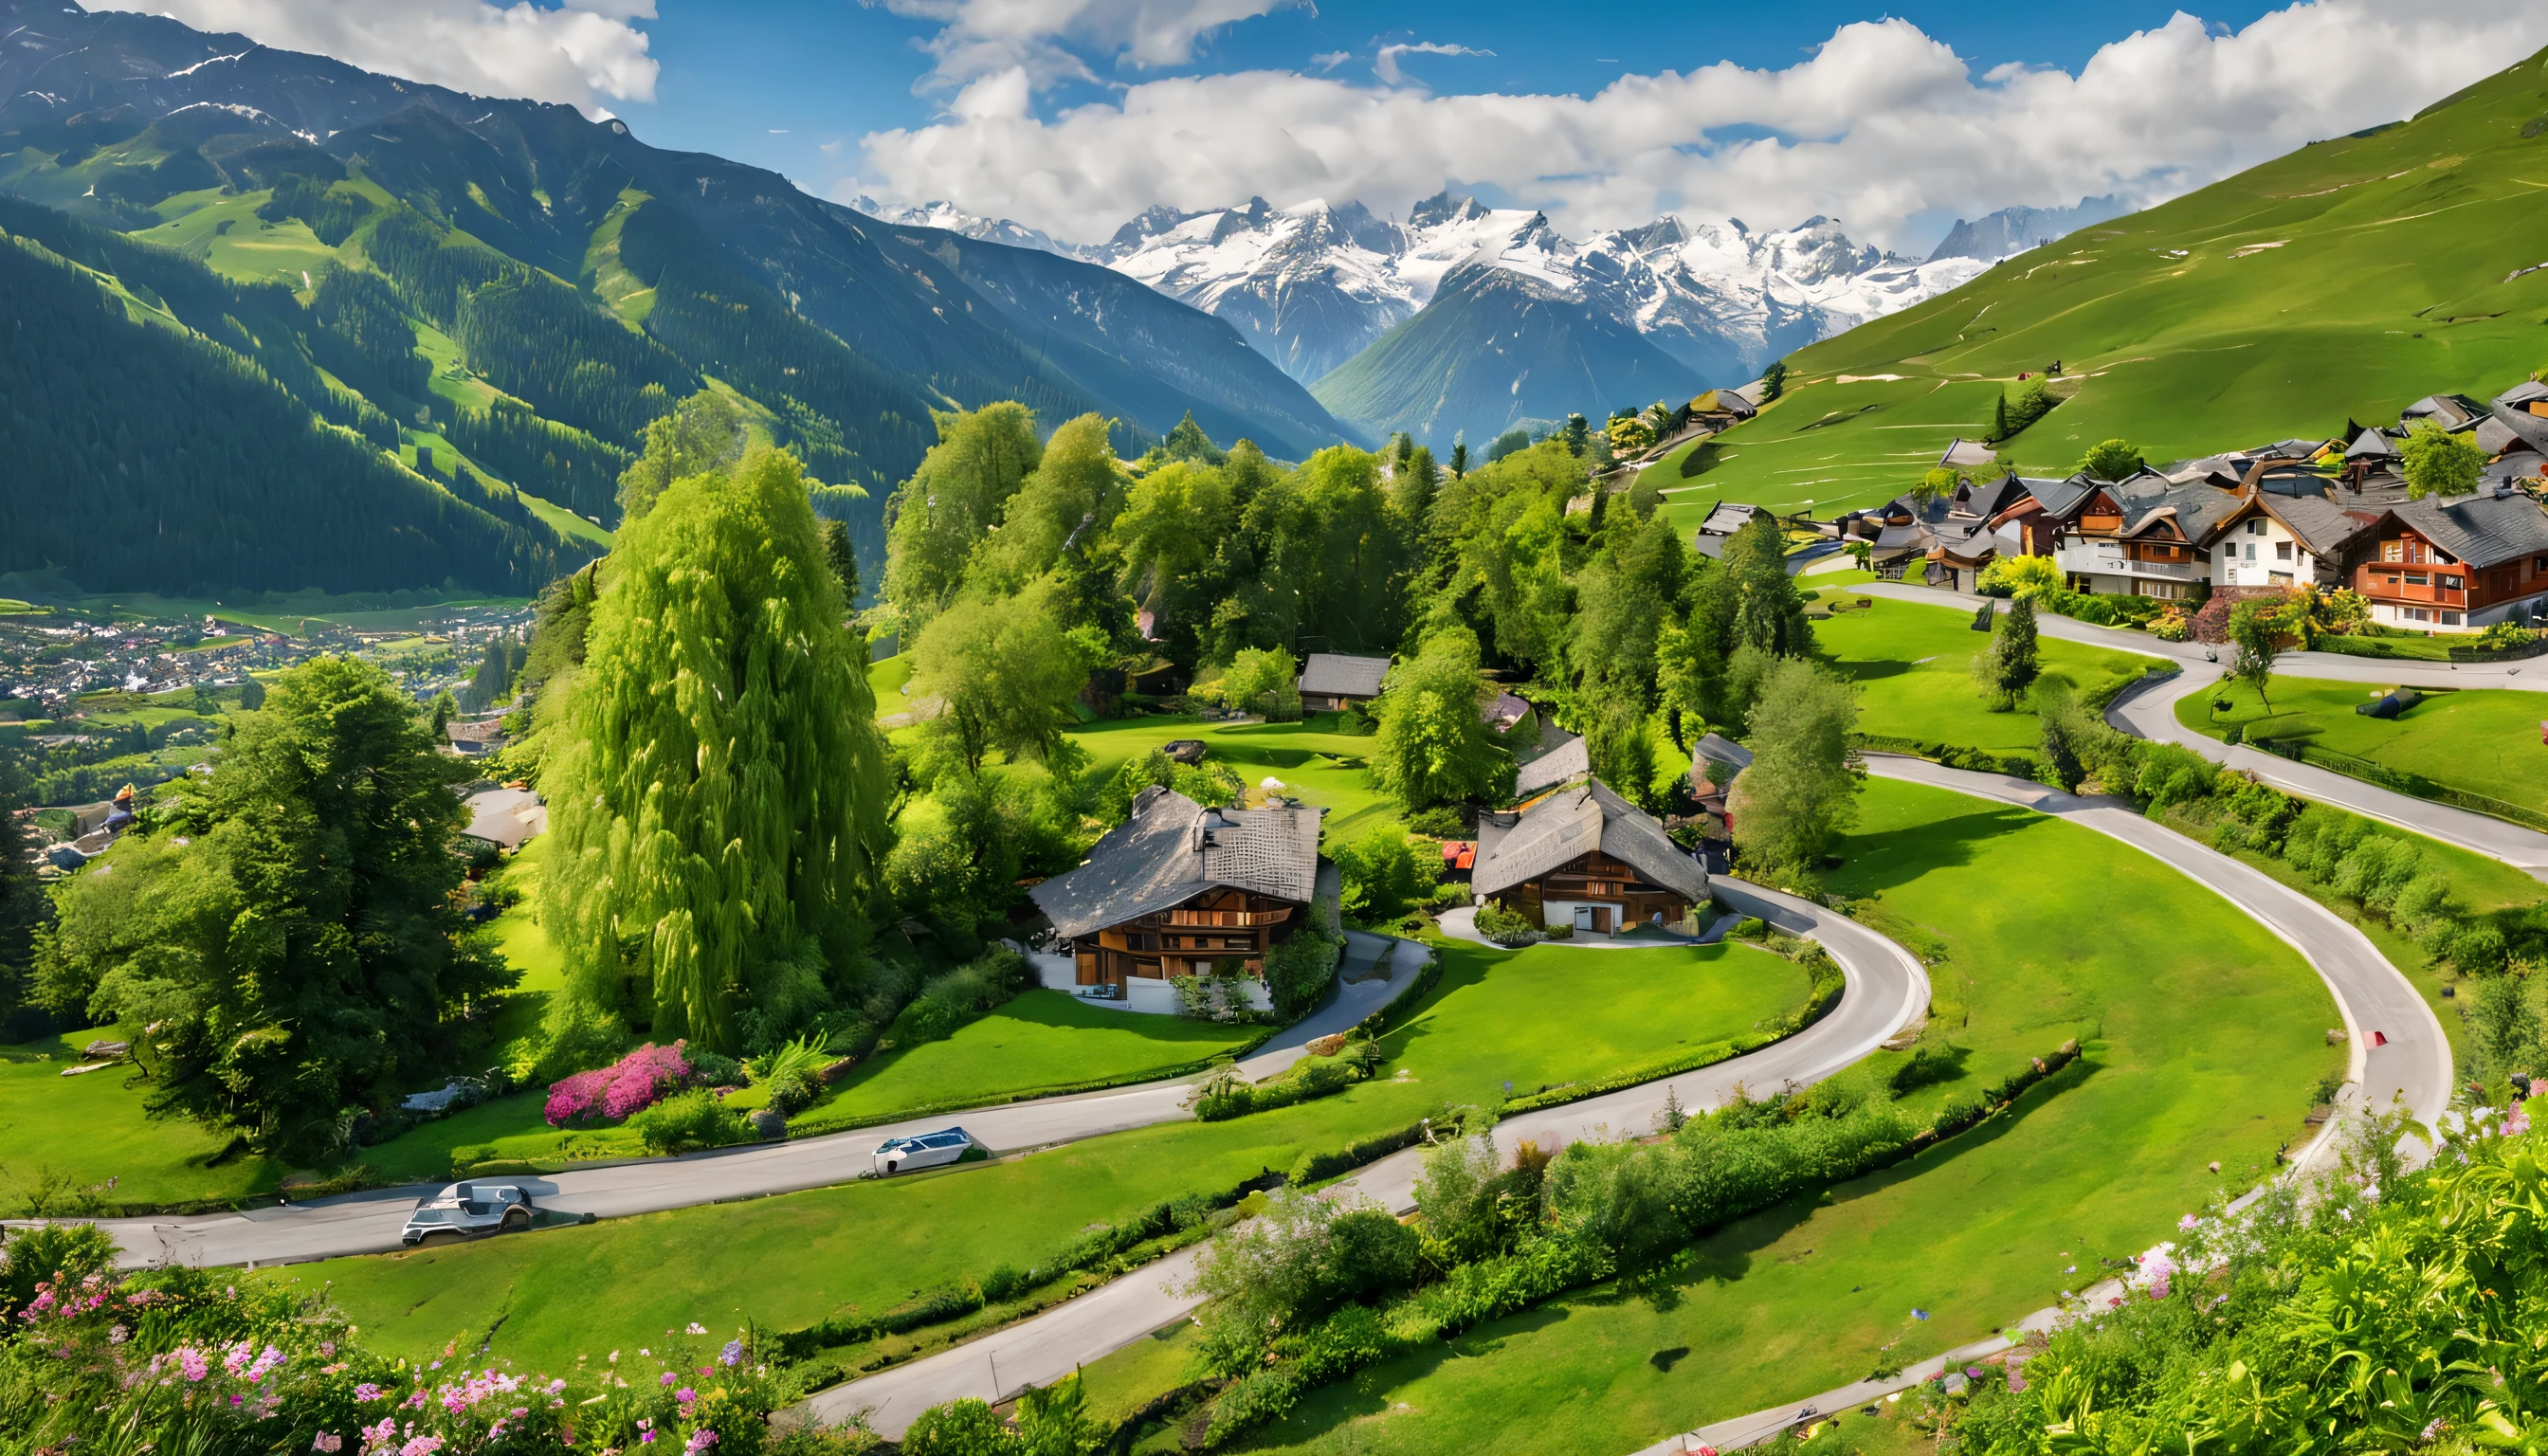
{"x":608,"y":1094}
{"x":177,"y":1360}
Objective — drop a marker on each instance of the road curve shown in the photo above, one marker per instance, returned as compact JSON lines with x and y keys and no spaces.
{"x":1884,"y":990}
{"x":370,"y":1223}
{"x":2370,"y":993}
{"x":2149,"y":711}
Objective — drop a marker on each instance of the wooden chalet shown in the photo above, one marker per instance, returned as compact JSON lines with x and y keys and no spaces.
{"x":1183,"y":891}
{"x":1586,"y":859}
{"x":2455,"y":563}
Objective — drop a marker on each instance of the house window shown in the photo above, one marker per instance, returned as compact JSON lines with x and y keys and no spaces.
{"x":2450,"y":619}
{"x":2256,"y":528}
{"x":2393,"y":551}
{"x":2251,"y":551}
{"x":2451,"y":583}
{"x":2416,"y":579}
{"x":2282,"y":551}
{"x":2419,"y":614}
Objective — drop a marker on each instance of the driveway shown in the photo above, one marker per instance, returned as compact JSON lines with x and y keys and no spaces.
{"x":1885,"y":989}
{"x":369,"y":1223}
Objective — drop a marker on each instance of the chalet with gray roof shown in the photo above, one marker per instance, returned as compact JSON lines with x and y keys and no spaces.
{"x":1586,"y":858}
{"x":1179,"y":889}
{"x":2455,"y":563}
{"x":1332,"y":681}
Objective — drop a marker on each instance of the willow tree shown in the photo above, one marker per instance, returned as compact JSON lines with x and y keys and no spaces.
{"x":719,"y":803}
{"x":951,"y":502}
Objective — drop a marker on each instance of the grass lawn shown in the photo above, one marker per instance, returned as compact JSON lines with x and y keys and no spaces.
{"x":1041,"y":1041}
{"x":791,"y":1260}
{"x":2204,"y":1037}
{"x":225,"y":234}
{"x":885,"y":677}
{"x":91,"y":1127}
{"x":2485,"y":741}
{"x":1318,"y":761}
{"x":1913,"y":663}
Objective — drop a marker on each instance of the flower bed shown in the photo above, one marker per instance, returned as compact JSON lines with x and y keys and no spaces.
{"x":631,"y":1084}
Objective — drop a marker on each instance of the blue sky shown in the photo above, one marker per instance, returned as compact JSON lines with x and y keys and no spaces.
{"x":772,"y":82}
{"x":1074,"y":115}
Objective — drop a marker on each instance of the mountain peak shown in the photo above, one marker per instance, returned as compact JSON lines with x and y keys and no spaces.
{"x":1442,"y":206}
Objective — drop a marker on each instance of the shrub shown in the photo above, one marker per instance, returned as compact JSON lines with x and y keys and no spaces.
{"x":692,"y":1119}
{"x":608,"y":1094}
{"x":958,"y":1428}
{"x":59,"y":1254}
{"x":715,"y":1069}
{"x":1299,"y":970}
{"x":1386,"y":874}
{"x":1506,"y":927}
{"x":958,"y":996}
{"x":1311,"y":1078}
{"x":791,"y":1092}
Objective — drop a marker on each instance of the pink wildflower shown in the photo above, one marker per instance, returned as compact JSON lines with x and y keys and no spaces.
{"x":192,"y":1361}
{"x":326,"y":1441}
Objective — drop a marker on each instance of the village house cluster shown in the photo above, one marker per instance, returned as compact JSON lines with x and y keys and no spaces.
{"x":2331,"y":514}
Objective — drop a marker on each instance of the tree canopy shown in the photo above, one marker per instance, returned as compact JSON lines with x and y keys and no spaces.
{"x":2440,"y":463}
{"x":719,"y":804}
{"x":286,"y":931}
{"x":1433,"y":747}
{"x":1803,"y":782}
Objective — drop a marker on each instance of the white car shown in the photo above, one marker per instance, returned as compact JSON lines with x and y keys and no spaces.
{"x":923,"y":1150}
{"x":468,"y":1211}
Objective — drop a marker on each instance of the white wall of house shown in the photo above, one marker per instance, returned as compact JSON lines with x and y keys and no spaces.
{"x":2261,"y":551}
{"x":1142,"y":996}
{"x":1554,"y":913}
{"x":2451,"y":619}
{"x":2104,"y":566}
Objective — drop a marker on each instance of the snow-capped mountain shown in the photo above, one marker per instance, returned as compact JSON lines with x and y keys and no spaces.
{"x":1314,"y":285}
{"x":953,"y":218}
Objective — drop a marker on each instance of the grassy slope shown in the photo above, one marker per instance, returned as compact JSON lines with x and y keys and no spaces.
{"x":1913,"y":666}
{"x":2205,"y":1036}
{"x":1319,"y":763}
{"x":787,"y":1262}
{"x":1042,"y":1039}
{"x":89,"y":1129}
{"x":2387,"y":284}
{"x":1829,"y":449}
{"x":2485,"y":741}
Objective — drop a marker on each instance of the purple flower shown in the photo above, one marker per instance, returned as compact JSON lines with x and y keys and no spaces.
{"x":2187,"y":1222}
{"x":732,"y":1354}
{"x":2016,"y":1382}
{"x":669,"y":1377}
{"x":367,"y":1391}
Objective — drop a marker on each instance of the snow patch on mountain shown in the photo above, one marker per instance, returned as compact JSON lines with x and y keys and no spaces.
{"x":1314,"y":284}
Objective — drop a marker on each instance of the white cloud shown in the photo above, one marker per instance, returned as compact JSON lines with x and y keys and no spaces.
{"x":1046,"y":39}
{"x":1385,"y":64}
{"x":578,"y":52}
{"x":1880,"y":125}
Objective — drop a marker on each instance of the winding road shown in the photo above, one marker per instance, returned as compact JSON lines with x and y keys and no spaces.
{"x":1884,"y":990}
{"x":370,"y":1223}
{"x":2149,"y":711}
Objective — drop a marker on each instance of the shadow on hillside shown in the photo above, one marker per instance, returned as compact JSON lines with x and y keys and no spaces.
{"x":1875,"y":862}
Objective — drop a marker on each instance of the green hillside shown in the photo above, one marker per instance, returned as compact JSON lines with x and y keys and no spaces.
{"x":2344,"y":279}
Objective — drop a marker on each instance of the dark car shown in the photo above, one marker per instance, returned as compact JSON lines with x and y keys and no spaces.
{"x":468,"y":1211}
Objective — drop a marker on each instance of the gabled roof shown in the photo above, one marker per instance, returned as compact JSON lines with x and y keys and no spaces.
{"x":1964,"y":454}
{"x":1514,"y":847}
{"x":1727,"y":517}
{"x":1159,"y":856}
{"x":2372,"y":444}
{"x":1333,"y":675}
{"x":2060,"y":497}
{"x":505,"y":816}
{"x":1568,"y":759}
{"x":2450,"y":411}
{"x":2481,"y":530}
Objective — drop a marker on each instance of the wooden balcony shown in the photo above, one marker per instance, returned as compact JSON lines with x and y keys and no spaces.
{"x":1225,"y":919}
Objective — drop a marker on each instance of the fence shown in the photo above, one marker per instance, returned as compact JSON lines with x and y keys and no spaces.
{"x":2414,"y":784}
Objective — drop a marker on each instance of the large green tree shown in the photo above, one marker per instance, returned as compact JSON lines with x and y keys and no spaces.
{"x":951,"y":502}
{"x":704,"y":434}
{"x":1077,"y":480}
{"x":719,"y":801}
{"x":285,"y":934}
{"x":1803,"y":782}
{"x":2440,"y":463}
{"x":22,"y":906}
{"x":1434,"y":748}
{"x":1000,"y":672}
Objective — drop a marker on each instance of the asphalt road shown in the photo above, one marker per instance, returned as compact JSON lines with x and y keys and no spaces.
{"x":2150,"y":712}
{"x":1886,"y":988}
{"x":370,"y":1223}
{"x":2415,"y":1066}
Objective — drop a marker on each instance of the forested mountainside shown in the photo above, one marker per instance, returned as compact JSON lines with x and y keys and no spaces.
{"x":149,"y":449}
{"x":518,"y":288}
{"x":2349,"y":277}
